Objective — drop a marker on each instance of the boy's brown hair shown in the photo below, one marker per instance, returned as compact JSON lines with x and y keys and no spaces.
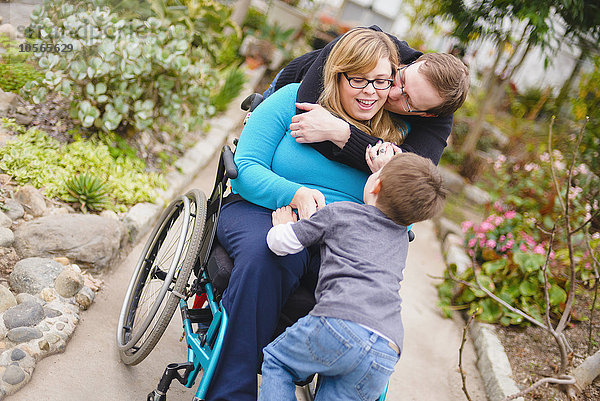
{"x":412,"y":189}
{"x":449,"y":76}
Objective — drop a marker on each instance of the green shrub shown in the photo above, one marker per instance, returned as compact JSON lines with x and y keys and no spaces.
{"x":122,"y":73}
{"x":89,"y":191}
{"x":255,"y":19}
{"x":14,"y":76}
{"x":35,"y":158}
{"x":234,"y":82}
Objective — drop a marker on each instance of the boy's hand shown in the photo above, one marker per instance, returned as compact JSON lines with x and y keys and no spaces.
{"x":377,"y":156}
{"x":284,"y":215}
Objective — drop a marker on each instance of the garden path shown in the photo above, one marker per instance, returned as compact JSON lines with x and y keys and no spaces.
{"x":90,"y":368}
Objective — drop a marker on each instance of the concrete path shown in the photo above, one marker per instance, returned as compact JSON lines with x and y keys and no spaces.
{"x":90,"y":368}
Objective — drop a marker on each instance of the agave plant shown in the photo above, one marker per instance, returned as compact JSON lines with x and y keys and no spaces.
{"x":89,"y":191}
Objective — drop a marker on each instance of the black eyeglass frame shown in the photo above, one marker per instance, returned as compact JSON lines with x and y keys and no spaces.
{"x":404,"y":94}
{"x":369,"y":81}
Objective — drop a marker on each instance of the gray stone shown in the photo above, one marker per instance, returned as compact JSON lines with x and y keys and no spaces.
{"x":49,"y":312}
{"x":86,"y":239}
{"x":456,"y":255}
{"x":450,"y":241}
{"x":453,"y":181}
{"x":27,"y":314}
{"x":32,"y":275}
{"x":32,"y":200}
{"x":446,"y":226}
{"x":85,"y":297}
{"x":25,"y":297}
{"x":68,"y":283}
{"x":8,"y":102}
{"x":7,"y":299}
{"x":7,"y":237}
{"x":59,"y":326}
{"x":14,"y":210}
{"x":5,"y":221}
{"x":138,"y":218}
{"x":493,"y":363}
{"x":476,"y":195}
{"x":24,"y":334}
{"x":17,"y":354}
{"x":13,"y":375}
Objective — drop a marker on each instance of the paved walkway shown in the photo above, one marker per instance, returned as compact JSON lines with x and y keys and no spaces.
{"x":90,"y":369}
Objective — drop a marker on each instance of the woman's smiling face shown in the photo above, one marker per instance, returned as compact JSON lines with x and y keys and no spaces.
{"x":363,"y":104}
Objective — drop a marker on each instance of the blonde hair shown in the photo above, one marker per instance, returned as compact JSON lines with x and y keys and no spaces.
{"x":359,"y":51}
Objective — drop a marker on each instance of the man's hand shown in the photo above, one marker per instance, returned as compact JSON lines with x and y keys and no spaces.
{"x":284,"y":215}
{"x":377,"y":156}
{"x":306,"y":201}
{"x":319,"y":125}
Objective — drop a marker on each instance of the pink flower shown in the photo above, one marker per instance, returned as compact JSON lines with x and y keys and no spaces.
{"x":472,"y":242}
{"x":480,"y":236}
{"x":491,"y":243}
{"x":465,"y":225}
{"x":523,"y":247}
{"x":486,"y":226}
{"x":498,"y":220}
{"x":510,"y":244}
{"x":539,"y":249}
{"x":510,"y":214}
{"x":502,"y":238}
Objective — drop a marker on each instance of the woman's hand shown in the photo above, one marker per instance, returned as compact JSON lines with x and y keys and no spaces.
{"x":318,"y":125}
{"x":377,"y":156}
{"x":307,"y":201}
{"x":284,"y":215}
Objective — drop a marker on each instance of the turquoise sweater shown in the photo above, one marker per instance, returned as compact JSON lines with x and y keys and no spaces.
{"x":272,"y":165}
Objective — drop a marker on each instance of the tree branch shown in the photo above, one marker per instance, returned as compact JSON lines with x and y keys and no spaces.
{"x":460,"y":352}
{"x":563,"y":379}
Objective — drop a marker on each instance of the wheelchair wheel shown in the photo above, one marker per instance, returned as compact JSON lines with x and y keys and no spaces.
{"x":161,"y":276}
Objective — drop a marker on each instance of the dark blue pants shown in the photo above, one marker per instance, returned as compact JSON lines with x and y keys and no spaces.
{"x":260,"y":284}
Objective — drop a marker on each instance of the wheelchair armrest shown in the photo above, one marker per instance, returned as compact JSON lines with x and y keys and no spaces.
{"x":250,"y":103}
{"x":229,"y":164}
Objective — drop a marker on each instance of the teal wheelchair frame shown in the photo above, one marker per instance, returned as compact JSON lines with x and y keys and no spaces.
{"x":182,"y":242}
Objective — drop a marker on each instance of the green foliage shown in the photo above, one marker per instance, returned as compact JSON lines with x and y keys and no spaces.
{"x":35,"y":158}
{"x":14,"y":76}
{"x":234,"y":82}
{"x":587,"y":104}
{"x":122,"y":73}
{"x":255,"y":19}
{"x":89,"y":191}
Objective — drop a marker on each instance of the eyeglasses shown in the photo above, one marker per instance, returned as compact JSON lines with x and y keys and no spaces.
{"x":361,"y":83}
{"x":404,"y":94}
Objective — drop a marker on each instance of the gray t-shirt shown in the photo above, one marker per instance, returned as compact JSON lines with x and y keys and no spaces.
{"x":363,"y":254}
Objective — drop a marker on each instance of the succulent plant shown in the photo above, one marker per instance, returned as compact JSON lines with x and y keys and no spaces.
{"x":89,"y":191}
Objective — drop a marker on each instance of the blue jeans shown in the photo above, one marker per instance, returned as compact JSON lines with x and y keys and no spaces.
{"x":352,"y":362}
{"x":271,"y":89}
{"x":260,"y":285}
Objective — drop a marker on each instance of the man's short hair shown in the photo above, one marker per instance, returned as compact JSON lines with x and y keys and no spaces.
{"x":449,"y":76}
{"x":412,"y":189}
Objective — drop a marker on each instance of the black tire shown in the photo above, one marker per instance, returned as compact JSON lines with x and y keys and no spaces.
{"x":161,"y":276}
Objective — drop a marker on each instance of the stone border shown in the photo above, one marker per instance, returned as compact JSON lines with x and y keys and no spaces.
{"x":492,"y":361}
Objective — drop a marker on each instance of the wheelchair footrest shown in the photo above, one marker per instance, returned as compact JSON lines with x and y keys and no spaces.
{"x":202,"y":315}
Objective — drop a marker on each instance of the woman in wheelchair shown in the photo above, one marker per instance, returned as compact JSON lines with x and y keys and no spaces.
{"x":274,"y":171}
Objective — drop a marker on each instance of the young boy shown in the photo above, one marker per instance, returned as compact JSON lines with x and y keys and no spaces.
{"x":353,"y":336}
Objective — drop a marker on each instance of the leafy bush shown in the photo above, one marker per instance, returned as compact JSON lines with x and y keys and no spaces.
{"x":87,"y":190}
{"x":14,"y":76}
{"x":121,"y":73}
{"x":37,"y":159}
{"x":234,"y":82}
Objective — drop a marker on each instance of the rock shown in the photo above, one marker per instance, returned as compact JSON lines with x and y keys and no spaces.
{"x":446,"y":226}
{"x":23,"y":315}
{"x":452,"y":240}
{"x":44,"y":346}
{"x":25,"y":297}
{"x":110,"y":214}
{"x":48,"y":294}
{"x":453,"y":181}
{"x":23,"y":116}
{"x":32,"y":275}
{"x":456,"y":255}
{"x":9,"y":31}
{"x":8,"y":102}
{"x":63,"y":261}
{"x":14,"y":210}
{"x":59,"y":326}
{"x":49,"y":312}
{"x":7,"y":237}
{"x":7,"y":299}
{"x":85,"y":297}
{"x":87,"y":239}
{"x":17,"y":354}
{"x":68,"y":283}
{"x":476,"y":195}
{"x":138,"y":217}
{"x":5,"y":221}
{"x":24,"y":334}
{"x":32,"y":200}
{"x":13,"y":375}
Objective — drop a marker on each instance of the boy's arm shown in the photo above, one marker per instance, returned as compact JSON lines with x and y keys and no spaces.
{"x":288,"y":237}
{"x":282,"y":240}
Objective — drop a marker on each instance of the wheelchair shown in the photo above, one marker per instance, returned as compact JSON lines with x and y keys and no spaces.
{"x":184,"y":241}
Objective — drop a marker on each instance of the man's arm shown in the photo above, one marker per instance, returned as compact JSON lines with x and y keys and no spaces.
{"x":427,"y":136}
